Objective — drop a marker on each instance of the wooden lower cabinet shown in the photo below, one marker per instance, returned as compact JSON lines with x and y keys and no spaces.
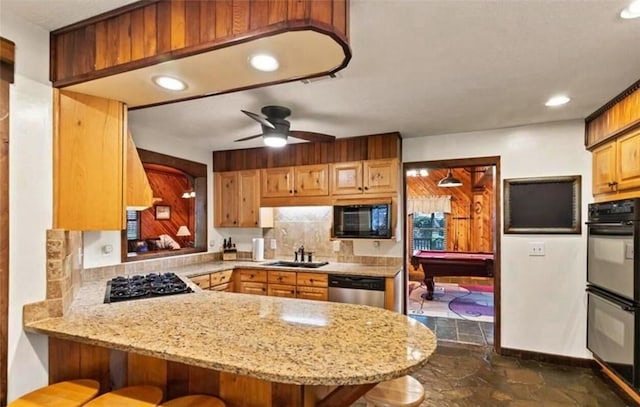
{"x":282,"y":277}
{"x":250,"y":287}
{"x":313,"y":293}
{"x":282,"y":290}
{"x":203,"y":282}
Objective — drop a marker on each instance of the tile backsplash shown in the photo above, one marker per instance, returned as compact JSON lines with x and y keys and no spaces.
{"x":311,"y":226}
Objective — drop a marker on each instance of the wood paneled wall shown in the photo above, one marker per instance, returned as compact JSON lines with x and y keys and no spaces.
{"x":372,"y":147}
{"x":168,"y":185}
{"x":620,"y":114}
{"x":149,"y":32}
{"x":470,"y":223}
{"x":7,"y":60}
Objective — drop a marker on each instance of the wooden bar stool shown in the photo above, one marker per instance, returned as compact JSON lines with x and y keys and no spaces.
{"x":404,"y":391}
{"x":196,"y":400}
{"x":133,"y":396}
{"x":72,"y":393}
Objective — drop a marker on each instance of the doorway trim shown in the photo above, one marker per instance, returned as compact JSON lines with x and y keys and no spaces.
{"x":497,"y":197}
{"x":7,"y":62}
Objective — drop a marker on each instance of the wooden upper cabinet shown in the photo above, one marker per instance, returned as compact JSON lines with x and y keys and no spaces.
{"x":346,"y":178}
{"x":88,"y":169}
{"x":604,"y":168}
{"x":380,"y":176}
{"x":249,"y":198}
{"x":311,"y":180}
{"x":139,"y":194}
{"x":237,"y":198}
{"x":628,"y":155}
{"x":364,"y":177}
{"x":225,"y":197}
{"x":277,"y":182}
{"x":616,"y":168}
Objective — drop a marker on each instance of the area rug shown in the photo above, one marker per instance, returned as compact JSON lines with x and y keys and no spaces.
{"x":464,"y":301}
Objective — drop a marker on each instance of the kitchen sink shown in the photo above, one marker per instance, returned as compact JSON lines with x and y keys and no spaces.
{"x":308,"y":264}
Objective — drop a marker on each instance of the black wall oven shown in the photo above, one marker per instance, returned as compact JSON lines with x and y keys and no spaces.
{"x":613,"y":277}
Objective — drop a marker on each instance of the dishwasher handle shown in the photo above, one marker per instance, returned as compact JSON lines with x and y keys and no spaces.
{"x":356,"y":282}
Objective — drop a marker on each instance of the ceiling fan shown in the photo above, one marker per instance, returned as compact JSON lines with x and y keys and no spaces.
{"x":275,"y":128}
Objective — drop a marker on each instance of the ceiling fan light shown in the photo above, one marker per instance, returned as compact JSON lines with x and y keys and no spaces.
{"x":449,"y":181}
{"x":274,"y":140}
{"x":632,"y":11}
{"x":264,"y":62}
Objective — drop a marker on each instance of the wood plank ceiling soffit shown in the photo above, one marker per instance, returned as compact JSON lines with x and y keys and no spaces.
{"x":206,"y":43}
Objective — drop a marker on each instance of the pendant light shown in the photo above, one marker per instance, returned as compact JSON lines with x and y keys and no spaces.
{"x":449,"y":181}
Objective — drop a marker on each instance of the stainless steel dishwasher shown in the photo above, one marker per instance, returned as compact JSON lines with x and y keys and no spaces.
{"x":357,"y":290}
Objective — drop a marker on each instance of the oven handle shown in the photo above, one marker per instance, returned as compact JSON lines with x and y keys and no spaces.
{"x":619,"y":302}
{"x":621,"y":223}
{"x":616,"y":229}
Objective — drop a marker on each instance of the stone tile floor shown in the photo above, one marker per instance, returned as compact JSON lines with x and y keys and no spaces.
{"x":458,"y":330}
{"x":473,"y":376}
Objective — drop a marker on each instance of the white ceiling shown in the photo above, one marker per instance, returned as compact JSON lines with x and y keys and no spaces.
{"x":421,"y":67}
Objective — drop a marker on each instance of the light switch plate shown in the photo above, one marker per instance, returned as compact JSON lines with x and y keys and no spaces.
{"x":336,"y":245}
{"x":273,"y":244}
{"x":536,"y":248}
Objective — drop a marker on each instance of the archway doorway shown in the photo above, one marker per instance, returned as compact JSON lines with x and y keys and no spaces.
{"x":457,"y":225}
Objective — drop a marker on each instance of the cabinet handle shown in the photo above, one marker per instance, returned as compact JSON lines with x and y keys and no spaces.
{"x":366,"y":188}
{"x":359,"y":188}
{"x":295,"y":191}
{"x":293,"y":292}
{"x":291,"y":191}
{"x":311,"y":280}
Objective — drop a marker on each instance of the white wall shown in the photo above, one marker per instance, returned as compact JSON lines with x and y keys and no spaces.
{"x":30,"y":198}
{"x":543,"y":301}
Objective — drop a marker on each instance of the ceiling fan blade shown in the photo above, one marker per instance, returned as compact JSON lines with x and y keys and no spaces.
{"x":311,"y":136}
{"x":263,"y":121}
{"x":248,"y":138}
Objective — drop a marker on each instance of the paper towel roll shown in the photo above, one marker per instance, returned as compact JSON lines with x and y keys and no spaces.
{"x":257,"y":245}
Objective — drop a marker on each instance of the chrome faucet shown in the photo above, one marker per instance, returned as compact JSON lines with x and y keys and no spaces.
{"x":300,"y":253}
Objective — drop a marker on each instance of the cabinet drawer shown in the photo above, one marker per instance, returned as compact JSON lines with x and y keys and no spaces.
{"x":248,"y":287}
{"x":313,"y":279}
{"x":222,"y":287}
{"x":282,"y":277}
{"x":253,"y":275}
{"x":221,"y":277}
{"x":201,"y":281}
{"x":313,"y":293}
{"x":282,"y":290}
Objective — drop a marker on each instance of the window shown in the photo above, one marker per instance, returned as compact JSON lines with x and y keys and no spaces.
{"x":133,"y":225}
{"x":429,"y":231}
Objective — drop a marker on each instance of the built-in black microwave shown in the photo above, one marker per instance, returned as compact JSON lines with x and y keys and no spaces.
{"x":362,"y":221}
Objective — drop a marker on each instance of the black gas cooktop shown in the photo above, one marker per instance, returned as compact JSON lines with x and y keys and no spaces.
{"x":150,"y":285}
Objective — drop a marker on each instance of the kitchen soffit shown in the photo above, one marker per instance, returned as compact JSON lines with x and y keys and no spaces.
{"x":301,"y":54}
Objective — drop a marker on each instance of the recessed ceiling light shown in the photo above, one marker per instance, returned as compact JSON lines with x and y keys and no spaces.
{"x":169,"y":83}
{"x":264,"y":62}
{"x":557,"y":101}
{"x":632,"y":11}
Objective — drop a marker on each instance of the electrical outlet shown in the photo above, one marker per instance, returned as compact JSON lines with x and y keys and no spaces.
{"x":536,"y":248}
{"x":273,"y":244}
{"x":336,"y":245}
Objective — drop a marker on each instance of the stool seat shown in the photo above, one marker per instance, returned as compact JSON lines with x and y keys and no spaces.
{"x":195,"y":400}
{"x":404,"y":391}
{"x":132,"y":396}
{"x":72,"y":393}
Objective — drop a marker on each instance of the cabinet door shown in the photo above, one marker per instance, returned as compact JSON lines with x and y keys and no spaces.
{"x":226,"y":199}
{"x":313,"y":293}
{"x":277,"y":182}
{"x":628,"y":156}
{"x":604,"y":168}
{"x":249,"y":198}
{"x":221,"y":277}
{"x":201,"y":281}
{"x":282,"y":290}
{"x":311,"y":180}
{"x":282,"y":277}
{"x":253,"y":275}
{"x":88,"y":174}
{"x":346,"y":178}
{"x":380,"y":176}
{"x":313,"y":279}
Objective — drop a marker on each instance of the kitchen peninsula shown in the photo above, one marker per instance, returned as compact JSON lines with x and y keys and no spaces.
{"x":249,"y":350}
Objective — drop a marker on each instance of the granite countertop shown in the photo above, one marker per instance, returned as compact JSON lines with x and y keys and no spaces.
{"x":331,"y":268}
{"x":275,"y":339}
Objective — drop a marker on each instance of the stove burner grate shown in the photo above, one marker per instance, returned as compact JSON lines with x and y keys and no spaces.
{"x":138,"y":286}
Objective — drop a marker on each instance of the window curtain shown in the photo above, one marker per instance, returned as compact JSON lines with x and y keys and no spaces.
{"x":429,"y":204}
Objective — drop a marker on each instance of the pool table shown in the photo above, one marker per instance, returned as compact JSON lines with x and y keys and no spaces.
{"x":452,"y":264}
